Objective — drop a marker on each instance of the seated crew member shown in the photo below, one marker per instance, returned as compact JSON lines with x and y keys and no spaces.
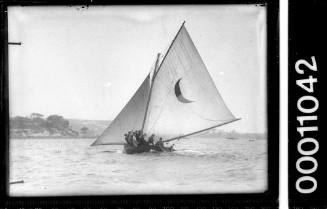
{"x":158,"y":146}
{"x":150,"y":140}
{"x":139,"y":138}
{"x":126,"y":138}
{"x":162,"y":147}
{"x":171,"y":148}
{"x":130,"y":138}
{"x":135,"y":141}
{"x":142,"y":139}
{"x":160,"y":142}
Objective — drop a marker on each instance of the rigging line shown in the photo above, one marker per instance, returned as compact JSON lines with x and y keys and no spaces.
{"x":179,"y":137}
{"x":169,"y":48}
{"x":151,"y":86}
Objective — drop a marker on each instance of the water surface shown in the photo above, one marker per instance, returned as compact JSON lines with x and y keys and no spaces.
{"x":200,"y":165}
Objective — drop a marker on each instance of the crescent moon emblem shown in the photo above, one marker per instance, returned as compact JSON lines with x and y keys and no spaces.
{"x":179,"y":94}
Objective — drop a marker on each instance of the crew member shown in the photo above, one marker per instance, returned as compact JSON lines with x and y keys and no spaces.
{"x":135,"y":141}
{"x":126,"y":138}
{"x":150,"y":140}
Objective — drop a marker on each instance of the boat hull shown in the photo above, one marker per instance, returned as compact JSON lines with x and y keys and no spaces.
{"x":128,"y":149}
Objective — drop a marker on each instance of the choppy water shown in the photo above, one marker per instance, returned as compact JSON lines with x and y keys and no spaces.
{"x":200,"y":165}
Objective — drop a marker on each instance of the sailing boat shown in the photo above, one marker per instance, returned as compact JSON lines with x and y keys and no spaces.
{"x":177,"y":99}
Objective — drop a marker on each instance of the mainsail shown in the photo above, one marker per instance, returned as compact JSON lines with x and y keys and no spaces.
{"x":184,"y":98}
{"x":178,"y":100}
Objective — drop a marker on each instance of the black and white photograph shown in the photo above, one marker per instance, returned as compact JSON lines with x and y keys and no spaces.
{"x":129,"y":100}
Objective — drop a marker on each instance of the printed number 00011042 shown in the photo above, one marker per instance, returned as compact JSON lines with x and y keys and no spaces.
{"x":307,"y":105}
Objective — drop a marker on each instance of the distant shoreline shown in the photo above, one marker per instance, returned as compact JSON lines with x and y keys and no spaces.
{"x":38,"y":126}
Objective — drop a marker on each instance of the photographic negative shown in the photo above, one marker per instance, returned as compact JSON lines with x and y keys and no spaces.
{"x":126,"y":100}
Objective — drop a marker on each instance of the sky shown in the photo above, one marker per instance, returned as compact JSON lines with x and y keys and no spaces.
{"x":87,"y":62}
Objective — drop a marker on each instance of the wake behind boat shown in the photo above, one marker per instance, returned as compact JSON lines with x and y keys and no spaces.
{"x":177,"y":99}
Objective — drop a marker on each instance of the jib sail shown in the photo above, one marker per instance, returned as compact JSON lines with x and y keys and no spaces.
{"x":130,"y":118}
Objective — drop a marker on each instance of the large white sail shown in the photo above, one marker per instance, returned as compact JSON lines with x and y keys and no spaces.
{"x":184,"y":98}
{"x":130,"y":118}
{"x":180,"y":99}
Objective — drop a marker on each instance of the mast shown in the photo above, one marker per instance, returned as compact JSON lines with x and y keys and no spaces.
{"x":179,"y":137}
{"x":147,"y":104}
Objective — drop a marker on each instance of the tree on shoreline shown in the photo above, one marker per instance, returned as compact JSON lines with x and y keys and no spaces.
{"x":35,"y":123}
{"x":36,"y":115}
